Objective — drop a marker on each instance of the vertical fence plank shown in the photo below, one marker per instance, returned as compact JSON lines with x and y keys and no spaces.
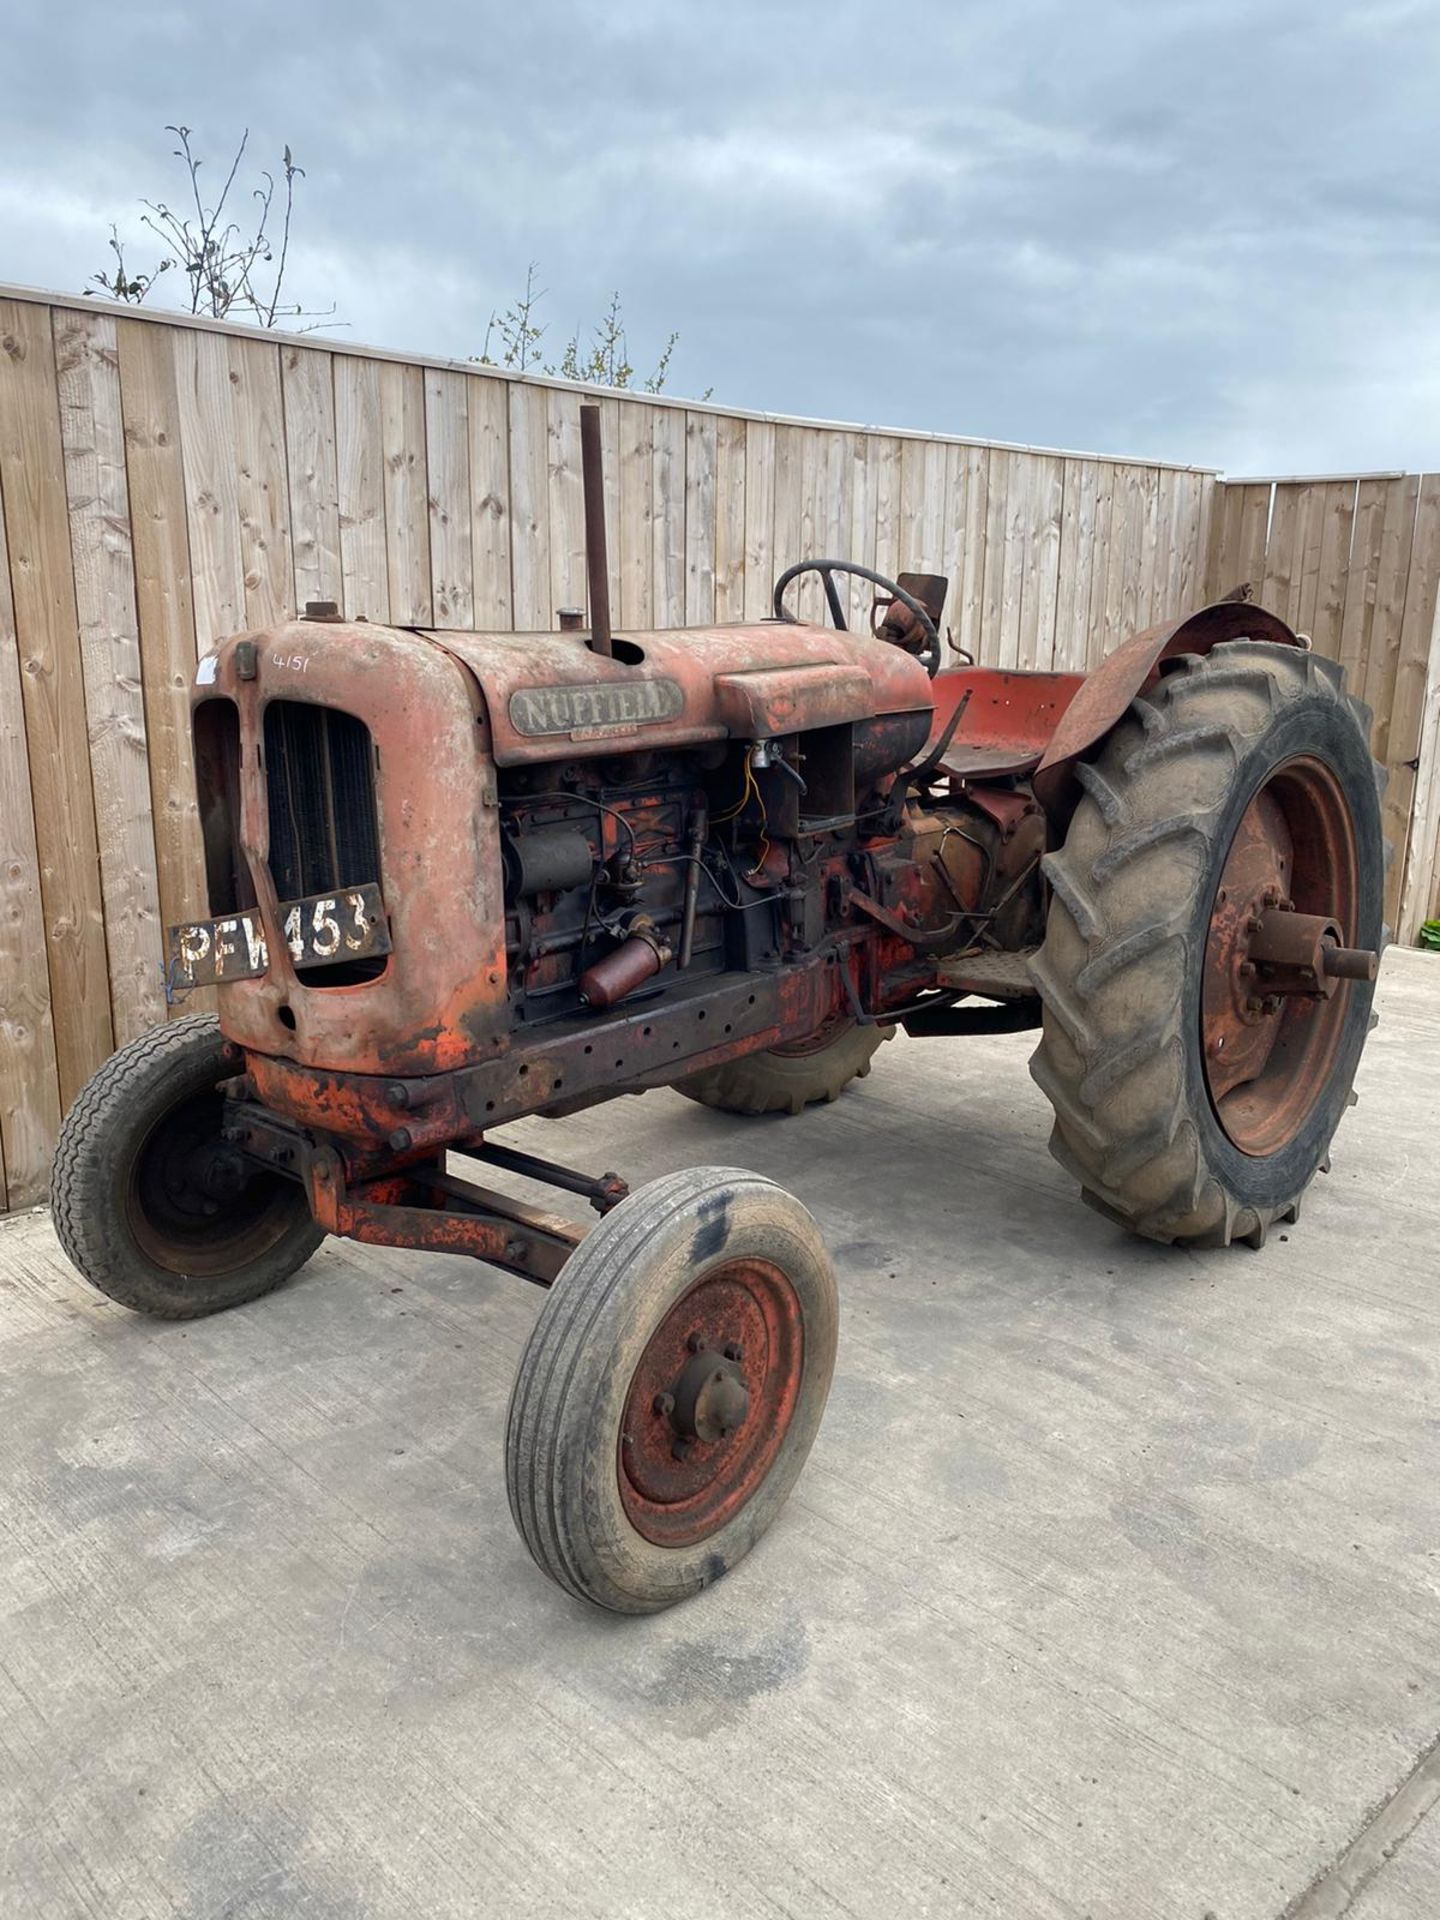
{"x":1167,"y":548}
{"x":569,"y":586}
{"x":1018,"y":507}
{"x":360,"y":459}
{"x":1077,"y":558}
{"x":974,"y":469}
{"x":262,"y":483}
{"x":952,"y":558}
{"x":997,"y":509}
{"x":1096,"y":633}
{"x":885,"y":459}
{"x":29,"y":1084}
{"x":530,"y":509}
{"x":1196,"y":506}
{"x":1407,"y":712}
{"x":856,"y":594}
{"x":1280,"y":590}
{"x":308,"y":392}
{"x":668,"y":524}
{"x":1121,"y":556}
{"x":1421,"y":879}
{"x":700,"y":532}
{"x":637,"y":514}
{"x":1238,"y":540}
{"x":836,"y":538}
{"x":1042,"y":562}
{"x":1305,"y":573}
{"x":807,"y":595}
{"x":610,"y":436}
{"x":407,"y":512}
{"x":488,"y":413}
{"x":789,"y":505}
{"x":1361,"y":581}
{"x":448,"y":497}
{"x":759,"y":518}
{"x":730,"y":497}
{"x":32,"y":478}
{"x":1327,"y":610}
{"x":1392,"y":567}
{"x":92,"y":433}
{"x":165,"y":612}
{"x":212,"y":506}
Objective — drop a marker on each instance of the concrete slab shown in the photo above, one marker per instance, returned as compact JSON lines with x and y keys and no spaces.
{"x":1112,"y":1587}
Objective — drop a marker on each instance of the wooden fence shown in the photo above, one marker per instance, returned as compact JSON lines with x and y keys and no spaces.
{"x":1354,"y":561}
{"x":166,"y":481}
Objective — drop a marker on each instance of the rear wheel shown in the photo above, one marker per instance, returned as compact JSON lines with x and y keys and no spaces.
{"x":671,"y":1389}
{"x":1215,"y":921}
{"x":789,"y":1079}
{"x":151,"y":1204}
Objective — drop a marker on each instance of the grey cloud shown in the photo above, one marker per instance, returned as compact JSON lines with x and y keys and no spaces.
{"x":1202,"y":232}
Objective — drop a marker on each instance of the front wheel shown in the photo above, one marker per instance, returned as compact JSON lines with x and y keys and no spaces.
{"x":1211,"y":943}
{"x":671,"y":1389}
{"x":149,"y":1201}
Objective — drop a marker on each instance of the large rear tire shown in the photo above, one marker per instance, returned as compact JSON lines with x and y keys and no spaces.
{"x":789,"y":1079}
{"x":151,"y":1204}
{"x":1241,"y":786}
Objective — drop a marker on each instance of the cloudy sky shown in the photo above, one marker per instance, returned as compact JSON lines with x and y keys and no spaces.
{"x":1204,"y":230}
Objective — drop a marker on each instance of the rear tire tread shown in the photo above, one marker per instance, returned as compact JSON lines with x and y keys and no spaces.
{"x":1151,"y":804}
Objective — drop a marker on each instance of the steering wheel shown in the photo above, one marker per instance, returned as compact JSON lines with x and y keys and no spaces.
{"x":928,"y":652}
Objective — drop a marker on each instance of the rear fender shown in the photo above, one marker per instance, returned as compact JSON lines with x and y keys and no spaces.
{"x":1105,"y":695}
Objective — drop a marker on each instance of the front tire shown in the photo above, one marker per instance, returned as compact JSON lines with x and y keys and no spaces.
{"x":671,"y":1389}
{"x":149,"y":1203}
{"x":1242,"y":785}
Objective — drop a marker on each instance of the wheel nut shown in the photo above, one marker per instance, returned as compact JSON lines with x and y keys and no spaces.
{"x":664,"y":1403}
{"x":681,"y":1450}
{"x":732,"y":1350}
{"x":695,"y":1342}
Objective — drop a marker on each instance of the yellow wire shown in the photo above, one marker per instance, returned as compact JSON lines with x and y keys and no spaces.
{"x":751,"y":792}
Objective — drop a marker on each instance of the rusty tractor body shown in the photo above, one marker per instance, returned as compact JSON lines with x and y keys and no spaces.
{"x":457,"y":878}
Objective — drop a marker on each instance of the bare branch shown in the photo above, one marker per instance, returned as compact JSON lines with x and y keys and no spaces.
{"x":222,"y":261}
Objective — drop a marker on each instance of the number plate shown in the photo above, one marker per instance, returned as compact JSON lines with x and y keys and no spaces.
{"x":320,"y":931}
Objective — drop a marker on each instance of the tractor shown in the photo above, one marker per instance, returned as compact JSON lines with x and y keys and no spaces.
{"x":458,"y":878}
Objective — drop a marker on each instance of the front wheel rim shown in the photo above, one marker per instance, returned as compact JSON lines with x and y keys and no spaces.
{"x":710,"y":1402}
{"x":192,"y":1206}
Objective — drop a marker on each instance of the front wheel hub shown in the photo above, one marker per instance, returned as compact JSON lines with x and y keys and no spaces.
{"x":710,"y":1399}
{"x":710,"y":1402}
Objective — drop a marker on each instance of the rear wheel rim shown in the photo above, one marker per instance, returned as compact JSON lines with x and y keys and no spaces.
{"x":1269,"y":1056}
{"x":195,"y":1208}
{"x":731,"y":1348}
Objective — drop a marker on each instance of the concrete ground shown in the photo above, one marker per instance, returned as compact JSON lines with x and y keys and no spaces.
{"x":1112,"y":1587}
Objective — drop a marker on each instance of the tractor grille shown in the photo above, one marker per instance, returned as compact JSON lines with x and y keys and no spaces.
{"x":320,"y":781}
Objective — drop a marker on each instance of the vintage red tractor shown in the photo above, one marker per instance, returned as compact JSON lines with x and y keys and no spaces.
{"x":457,"y":878}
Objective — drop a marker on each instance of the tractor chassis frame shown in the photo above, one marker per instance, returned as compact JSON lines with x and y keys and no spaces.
{"x":370,"y":1149}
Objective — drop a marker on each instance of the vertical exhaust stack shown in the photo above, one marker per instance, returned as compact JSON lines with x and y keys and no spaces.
{"x":596,"y":560}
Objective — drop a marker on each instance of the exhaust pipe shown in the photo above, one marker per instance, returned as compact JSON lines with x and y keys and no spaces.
{"x":596,"y":561}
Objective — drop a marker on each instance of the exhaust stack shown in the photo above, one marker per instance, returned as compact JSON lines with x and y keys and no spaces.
{"x":596,"y":561}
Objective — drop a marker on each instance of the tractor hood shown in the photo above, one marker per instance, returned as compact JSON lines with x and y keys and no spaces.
{"x":547,"y":693}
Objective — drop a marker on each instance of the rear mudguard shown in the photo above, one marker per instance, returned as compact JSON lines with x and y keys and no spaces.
{"x":1104,"y":696}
